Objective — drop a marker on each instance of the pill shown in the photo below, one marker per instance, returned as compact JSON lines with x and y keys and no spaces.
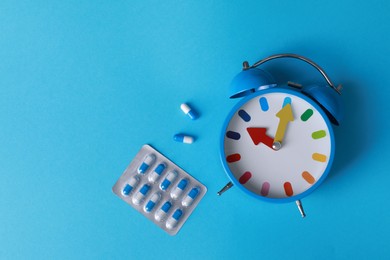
{"x":181,"y":138}
{"x":187,"y":201}
{"x":174,"y":219}
{"x":130,"y":186}
{"x":162,"y":212}
{"x":189,"y":111}
{"x":152,"y":202}
{"x":171,"y":176}
{"x":149,"y":160}
{"x":179,"y":189}
{"x":153,"y":177}
{"x":141,"y":194}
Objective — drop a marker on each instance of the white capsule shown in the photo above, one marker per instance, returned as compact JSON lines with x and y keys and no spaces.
{"x":191,"y":196}
{"x":154,"y":199}
{"x":141,"y":194}
{"x":189,"y":111}
{"x":171,"y":176}
{"x":148,"y":161}
{"x":181,"y":138}
{"x":174,"y":219}
{"x":179,"y":189}
{"x":155,"y":175}
{"x":162,"y":212}
{"x":130,"y":185}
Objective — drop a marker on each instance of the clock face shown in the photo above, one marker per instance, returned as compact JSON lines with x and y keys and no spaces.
{"x":277,"y":145}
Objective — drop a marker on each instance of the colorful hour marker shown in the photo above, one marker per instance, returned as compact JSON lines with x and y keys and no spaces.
{"x":318,"y":134}
{"x":244,"y":115}
{"x":308,"y":177}
{"x":265,"y":189}
{"x":245,"y":177}
{"x":319,"y":157}
{"x":306,"y":115}
{"x":233,"y":135}
{"x":264,"y":104}
{"x":288,"y":189}
{"x":287,"y":100}
{"x":233,"y":157}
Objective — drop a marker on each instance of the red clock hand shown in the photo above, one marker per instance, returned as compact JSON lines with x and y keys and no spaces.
{"x":258,"y":135}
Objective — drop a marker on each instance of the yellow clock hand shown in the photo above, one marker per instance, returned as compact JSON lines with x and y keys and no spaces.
{"x":285,"y":116}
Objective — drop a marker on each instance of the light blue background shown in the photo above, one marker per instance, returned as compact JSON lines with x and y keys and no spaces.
{"x":84,"y":84}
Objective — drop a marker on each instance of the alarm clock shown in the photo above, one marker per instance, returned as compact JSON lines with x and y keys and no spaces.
{"x":277,"y":143}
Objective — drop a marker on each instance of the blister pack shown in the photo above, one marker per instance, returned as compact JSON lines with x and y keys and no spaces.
{"x":159,"y":189}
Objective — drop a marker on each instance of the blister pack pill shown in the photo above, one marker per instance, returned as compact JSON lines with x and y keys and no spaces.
{"x":159,"y":189}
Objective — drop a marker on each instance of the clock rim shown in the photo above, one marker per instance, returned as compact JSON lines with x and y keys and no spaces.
{"x":238,"y":105}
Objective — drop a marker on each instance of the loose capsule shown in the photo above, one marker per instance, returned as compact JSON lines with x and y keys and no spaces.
{"x":174,"y":219}
{"x":130,"y":186}
{"x":189,"y":199}
{"x":179,"y":189}
{"x":152,"y":202}
{"x":168,"y":180}
{"x":189,"y":111}
{"x":153,"y":177}
{"x":149,"y":160}
{"x":141,"y":194}
{"x":162,"y":212}
{"x":181,"y":138}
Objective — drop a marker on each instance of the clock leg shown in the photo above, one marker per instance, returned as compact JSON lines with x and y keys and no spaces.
{"x":299,"y":204}
{"x":227,"y":186}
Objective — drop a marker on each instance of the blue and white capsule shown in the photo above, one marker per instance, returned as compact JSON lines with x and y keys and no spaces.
{"x":182,"y":138}
{"x":148,"y":161}
{"x":154,"y":199}
{"x":191,"y":196}
{"x":130,"y":185}
{"x":178,"y":190}
{"x":141,"y":194}
{"x":174,"y":219}
{"x":162,"y":212}
{"x":171,"y":177}
{"x":191,"y":113}
{"x":155,"y":175}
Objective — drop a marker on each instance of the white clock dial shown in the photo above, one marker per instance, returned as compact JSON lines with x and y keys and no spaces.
{"x":305,"y":136}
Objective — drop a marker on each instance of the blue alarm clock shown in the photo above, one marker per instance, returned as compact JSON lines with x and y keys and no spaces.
{"x":277,"y":143}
